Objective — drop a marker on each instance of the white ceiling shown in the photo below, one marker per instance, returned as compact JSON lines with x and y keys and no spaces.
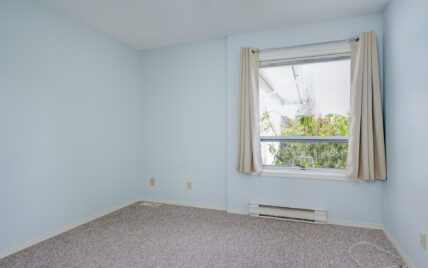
{"x":145,"y":24}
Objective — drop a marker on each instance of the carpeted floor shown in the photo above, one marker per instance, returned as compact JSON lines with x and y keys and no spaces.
{"x":174,"y":236}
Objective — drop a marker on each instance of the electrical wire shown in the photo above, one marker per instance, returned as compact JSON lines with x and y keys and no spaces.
{"x":381,"y":249}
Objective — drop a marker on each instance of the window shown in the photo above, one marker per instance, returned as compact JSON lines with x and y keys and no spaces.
{"x":304,"y":111}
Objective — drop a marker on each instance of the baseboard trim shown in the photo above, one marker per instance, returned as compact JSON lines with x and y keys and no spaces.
{"x":180,"y":203}
{"x":245,"y":212}
{"x":375,"y":226}
{"x":194,"y":205}
{"x":394,"y":242}
{"x":237,"y":211}
{"x":42,"y":238}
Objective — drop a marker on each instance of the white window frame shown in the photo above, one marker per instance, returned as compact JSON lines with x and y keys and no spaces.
{"x":293,"y":172}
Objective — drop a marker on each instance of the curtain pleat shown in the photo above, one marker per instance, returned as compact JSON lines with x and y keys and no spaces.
{"x":249,"y":152}
{"x":366,"y":150}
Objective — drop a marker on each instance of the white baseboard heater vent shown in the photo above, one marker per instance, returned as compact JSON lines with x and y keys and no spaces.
{"x":288,"y":213}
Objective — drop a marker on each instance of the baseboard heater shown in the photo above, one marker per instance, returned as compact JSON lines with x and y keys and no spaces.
{"x":288,"y":213}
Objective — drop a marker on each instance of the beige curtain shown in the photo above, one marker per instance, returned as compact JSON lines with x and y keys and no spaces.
{"x":249,"y":156}
{"x":366,"y":152}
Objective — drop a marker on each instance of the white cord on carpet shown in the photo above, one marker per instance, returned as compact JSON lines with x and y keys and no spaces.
{"x":381,"y":249}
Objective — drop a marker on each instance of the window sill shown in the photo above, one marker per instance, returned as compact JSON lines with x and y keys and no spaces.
{"x":319,"y":174}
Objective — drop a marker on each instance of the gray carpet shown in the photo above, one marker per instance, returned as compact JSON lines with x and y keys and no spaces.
{"x":174,"y":236}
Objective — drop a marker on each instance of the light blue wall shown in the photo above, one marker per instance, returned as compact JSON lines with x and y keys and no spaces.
{"x":406,"y":99}
{"x":86,"y":121}
{"x":69,"y":128}
{"x":343,"y":200}
{"x":185,"y":122}
{"x":190,"y":117}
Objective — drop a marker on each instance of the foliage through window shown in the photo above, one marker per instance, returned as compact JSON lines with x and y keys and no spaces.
{"x":304,"y":113}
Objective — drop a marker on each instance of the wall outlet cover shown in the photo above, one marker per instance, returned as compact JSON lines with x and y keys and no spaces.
{"x":423,"y":240}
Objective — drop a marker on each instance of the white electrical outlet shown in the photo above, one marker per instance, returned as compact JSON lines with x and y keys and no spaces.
{"x":423,"y":240}
{"x":152,"y":181}
{"x":189,"y":185}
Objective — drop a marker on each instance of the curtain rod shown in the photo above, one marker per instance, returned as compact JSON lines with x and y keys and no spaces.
{"x":305,"y":45}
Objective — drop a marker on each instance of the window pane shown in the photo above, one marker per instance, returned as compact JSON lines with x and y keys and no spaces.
{"x":295,"y":154}
{"x":310,"y":99}
{"x":305,"y":100}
